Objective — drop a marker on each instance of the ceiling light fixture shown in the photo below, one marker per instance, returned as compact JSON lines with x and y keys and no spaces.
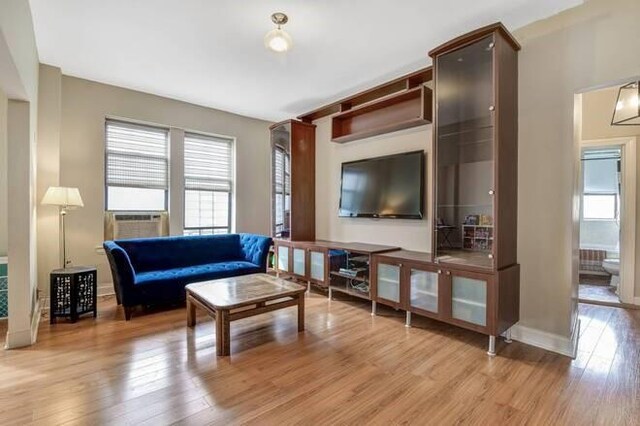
{"x":278,"y":39}
{"x":627,"y":108}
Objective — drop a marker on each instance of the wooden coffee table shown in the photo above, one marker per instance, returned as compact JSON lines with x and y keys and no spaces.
{"x":234,"y":298}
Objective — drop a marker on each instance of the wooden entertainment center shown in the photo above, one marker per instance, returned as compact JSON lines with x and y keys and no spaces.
{"x":472,"y":278}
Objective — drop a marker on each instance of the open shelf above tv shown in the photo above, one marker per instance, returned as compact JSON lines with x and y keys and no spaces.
{"x":403,"y":110}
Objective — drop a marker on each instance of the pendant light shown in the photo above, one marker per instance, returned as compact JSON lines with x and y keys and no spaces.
{"x":627,"y":108}
{"x":278,"y":40}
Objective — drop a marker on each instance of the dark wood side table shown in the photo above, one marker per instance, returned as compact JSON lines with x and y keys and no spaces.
{"x":73,"y":292}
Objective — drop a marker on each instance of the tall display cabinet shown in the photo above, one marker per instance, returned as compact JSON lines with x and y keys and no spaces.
{"x":476,"y":174}
{"x":293,"y":195}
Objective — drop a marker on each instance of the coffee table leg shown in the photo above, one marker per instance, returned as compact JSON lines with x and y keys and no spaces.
{"x":300,"y":312}
{"x":191,"y":313}
{"x":226,"y":333}
{"x":219,"y":333}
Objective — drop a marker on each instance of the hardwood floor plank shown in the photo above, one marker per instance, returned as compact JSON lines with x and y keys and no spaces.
{"x":345,"y":368}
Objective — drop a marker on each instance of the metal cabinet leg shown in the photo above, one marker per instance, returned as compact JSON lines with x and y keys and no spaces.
{"x":507,"y":336}
{"x":308,"y":287}
{"x":492,"y":346}
{"x":407,"y":322}
{"x":374,"y":308}
{"x":330,"y":294}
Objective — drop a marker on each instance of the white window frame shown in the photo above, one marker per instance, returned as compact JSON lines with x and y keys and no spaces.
{"x":198,"y":230}
{"x":106,"y":159}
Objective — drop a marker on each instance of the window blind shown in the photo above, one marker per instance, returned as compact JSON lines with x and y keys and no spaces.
{"x":137,"y":156}
{"x":279,"y":171}
{"x":208,"y":163}
{"x":281,"y":188}
{"x":601,"y":169}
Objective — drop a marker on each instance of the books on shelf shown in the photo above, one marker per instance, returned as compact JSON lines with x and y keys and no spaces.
{"x":477,"y":237}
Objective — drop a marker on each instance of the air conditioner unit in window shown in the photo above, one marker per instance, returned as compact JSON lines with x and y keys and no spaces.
{"x":121,"y":226}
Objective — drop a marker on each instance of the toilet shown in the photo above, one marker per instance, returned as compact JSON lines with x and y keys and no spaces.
{"x":612,"y":266}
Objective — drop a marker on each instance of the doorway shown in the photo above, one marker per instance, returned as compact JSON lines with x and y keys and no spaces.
{"x":607,"y":221}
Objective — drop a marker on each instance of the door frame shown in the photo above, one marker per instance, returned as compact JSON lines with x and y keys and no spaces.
{"x":627,"y":210}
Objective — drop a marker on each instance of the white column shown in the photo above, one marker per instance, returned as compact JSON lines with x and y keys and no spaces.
{"x":48,"y":219}
{"x":21,"y":232}
{"x":176,"y":181}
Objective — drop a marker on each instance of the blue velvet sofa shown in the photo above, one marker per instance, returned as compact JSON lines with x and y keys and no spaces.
{"x":152,"y":271}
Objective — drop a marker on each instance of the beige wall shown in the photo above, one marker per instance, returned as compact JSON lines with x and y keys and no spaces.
{"x":410,"y":234}
{"x":583,"y":47}
{"x":597,"y":108}
{"x":84,"y":106}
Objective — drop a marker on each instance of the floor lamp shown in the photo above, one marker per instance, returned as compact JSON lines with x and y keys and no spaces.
{"x":66,"y":199}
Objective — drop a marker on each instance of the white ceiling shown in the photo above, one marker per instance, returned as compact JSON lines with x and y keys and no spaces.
{"x":211,"y":52}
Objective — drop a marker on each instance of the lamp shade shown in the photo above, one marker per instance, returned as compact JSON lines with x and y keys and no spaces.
{"x":278,"y":40}
{"x":627,"y":108}
{"x":62,"y":196}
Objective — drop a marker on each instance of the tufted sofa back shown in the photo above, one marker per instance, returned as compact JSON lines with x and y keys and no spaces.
{"x":255,"y":248}
{"x":151,"y":254}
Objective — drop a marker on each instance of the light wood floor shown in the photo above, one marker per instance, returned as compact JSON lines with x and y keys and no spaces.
{"x":347,"y":368}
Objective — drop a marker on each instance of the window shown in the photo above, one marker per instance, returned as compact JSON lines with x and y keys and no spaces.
{"x":137,"y":176}
{"x":601,"y":184}
{"x":282,"y":191}
{"x":208,"y":184}
{"x":600,"y":206}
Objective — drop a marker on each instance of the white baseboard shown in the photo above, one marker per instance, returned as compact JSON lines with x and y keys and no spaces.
{"x":636,"y":301}
{"x":105,"y":289}
{"x":22,"y":338}
{"x":549,"y":341}
{"x":35,"y":321}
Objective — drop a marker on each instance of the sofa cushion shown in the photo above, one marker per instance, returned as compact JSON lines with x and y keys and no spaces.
{"x":190,"y":274}
{"x":154,"y":254}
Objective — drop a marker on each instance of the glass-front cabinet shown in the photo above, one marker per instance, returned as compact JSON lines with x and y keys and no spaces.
{"x":469,"y":300}
{"x":281,"y":180}
{"x":282,"y":258}
{"x":423,"y":291}
{"x":317,"y":266}
{"x":299,"y":262}
{"x":465,"y":169}
{"x":388,"y":283}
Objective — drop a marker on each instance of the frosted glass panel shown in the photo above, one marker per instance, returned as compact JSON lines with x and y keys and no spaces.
{"x":283,"y":258}
{"x":469,"y":300}
{"x":298,"y":262}
{"x":317,"y":265}
{"x":389,"y":282}
{"x":424,"y":290}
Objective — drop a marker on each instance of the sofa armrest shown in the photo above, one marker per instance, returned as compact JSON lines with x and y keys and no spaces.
{"x":255,"y":249}
{"x":122,"y":271}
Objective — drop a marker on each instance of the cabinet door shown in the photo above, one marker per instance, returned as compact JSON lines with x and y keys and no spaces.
{"x":464,"y":172}
{"x":469,"y":299}
{"x":423,"y":290}
{"x":316,"y":266}
{"x":299,"y":262}
{"x":283,"y":258}
{"x":388,"y":282}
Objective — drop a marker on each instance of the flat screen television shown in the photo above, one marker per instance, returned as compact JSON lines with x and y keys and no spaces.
{"x":383,"y":187}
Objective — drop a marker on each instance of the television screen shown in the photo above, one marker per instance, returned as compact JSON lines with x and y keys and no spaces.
{"x":386,"y":187}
